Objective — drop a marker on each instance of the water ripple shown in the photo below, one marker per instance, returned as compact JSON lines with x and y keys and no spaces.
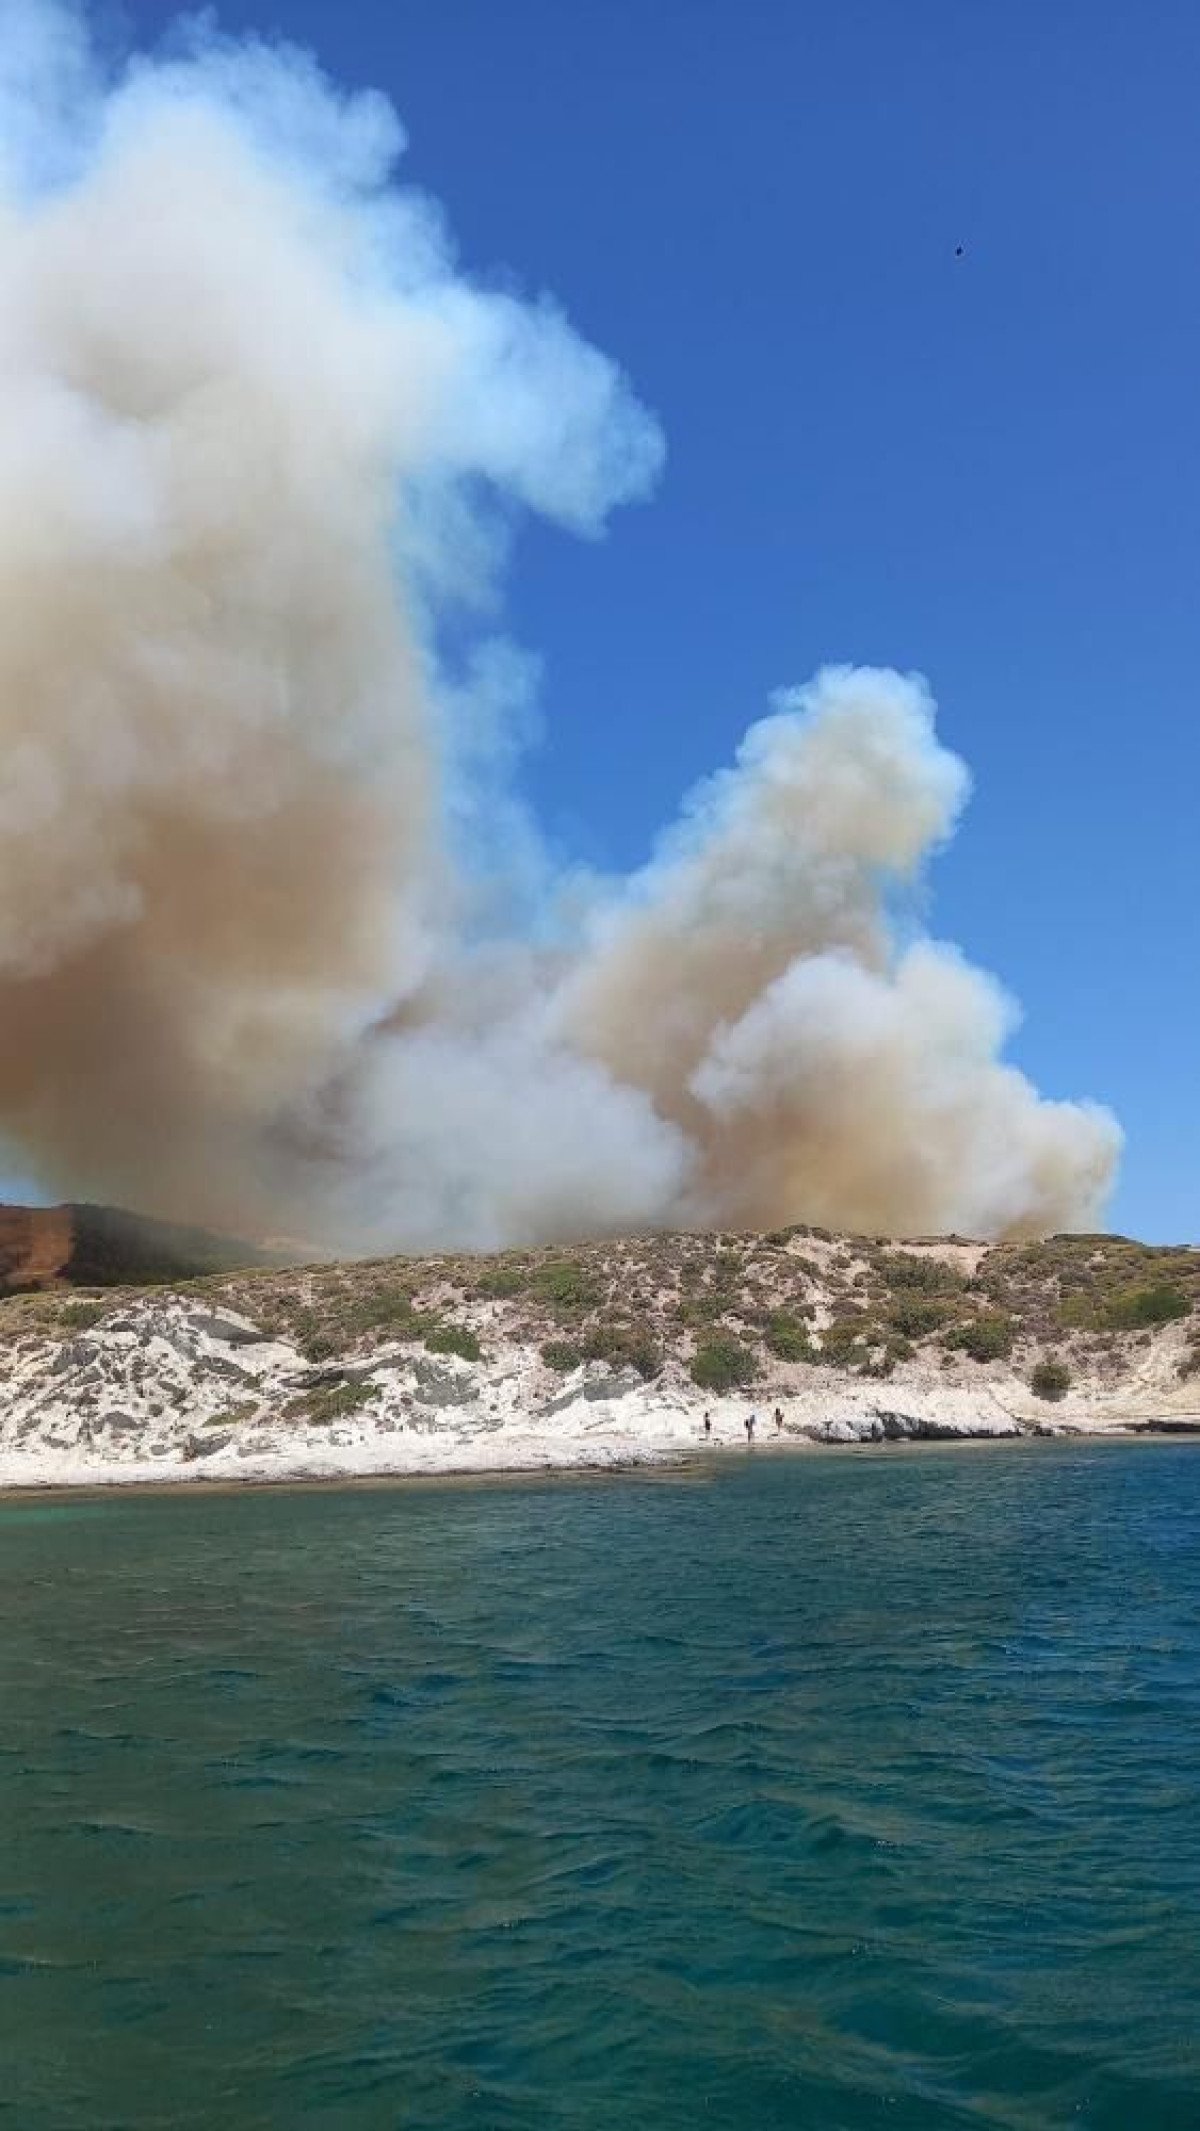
{"x":832,"y":1794}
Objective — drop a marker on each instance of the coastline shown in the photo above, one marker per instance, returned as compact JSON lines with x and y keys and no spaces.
{"x":372,"y":1459}
{"x":699,"y":1464}
{"x":168,"y":1391}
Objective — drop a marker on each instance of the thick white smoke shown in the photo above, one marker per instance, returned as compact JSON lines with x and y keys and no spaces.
{"x":259,"y":438}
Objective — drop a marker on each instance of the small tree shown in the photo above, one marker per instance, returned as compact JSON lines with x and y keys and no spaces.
{"x":1051,"y":1378}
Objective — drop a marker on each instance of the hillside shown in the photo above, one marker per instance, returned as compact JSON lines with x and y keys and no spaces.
{"x":732,"y":1311}
{"x":601,"y":1353}
{"x":103,"y":1246}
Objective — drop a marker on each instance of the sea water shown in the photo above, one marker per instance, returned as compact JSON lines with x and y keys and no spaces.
{"x":825,"y":1792}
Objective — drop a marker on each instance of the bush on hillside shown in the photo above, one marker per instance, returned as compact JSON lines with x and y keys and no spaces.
{"x":847,"y":1340}
{"x":388,"y":1309}
{"x":1126,"y":1310}
{"x":332,"y":1402}
{"x":559,"y":1354}
{"x":319,"y":1346}
{"x":1147,"y":1306}
{"x":707,"y":1305}
{"x":622,"y":1345}
{"x":787,"y":1338}
{"x":81,"y":1316}
{"x":500,"y":1282}
{"x":916,"y":1315}
{"x":1050,"y":1379}
{"x":453,"y":1339}
{"x":723,"y":1364}
{"x":985,"y":1338}
{"x":566,"y":1284}
{"x":929,"y":1276}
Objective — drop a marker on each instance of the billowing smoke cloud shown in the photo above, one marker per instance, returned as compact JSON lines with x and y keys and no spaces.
{"x":278,"y":946}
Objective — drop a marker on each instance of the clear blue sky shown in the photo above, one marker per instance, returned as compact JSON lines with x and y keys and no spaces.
{"x":986,"y":468}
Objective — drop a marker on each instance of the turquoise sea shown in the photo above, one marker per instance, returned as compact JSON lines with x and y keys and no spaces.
{"x":821,"y":1792}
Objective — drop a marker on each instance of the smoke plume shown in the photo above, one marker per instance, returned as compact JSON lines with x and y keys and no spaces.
{"x":279,"y":948}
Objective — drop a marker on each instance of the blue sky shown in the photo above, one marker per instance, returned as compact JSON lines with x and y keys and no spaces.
{"x":982,"y":467}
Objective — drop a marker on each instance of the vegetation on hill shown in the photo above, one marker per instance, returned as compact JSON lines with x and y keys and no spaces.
{"x":734,"y":1311}
{"x":726,"y":1311}
{"x":45,"y":1247}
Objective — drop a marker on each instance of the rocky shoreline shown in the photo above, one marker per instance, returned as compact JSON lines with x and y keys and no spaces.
{"x":170,"y":1389}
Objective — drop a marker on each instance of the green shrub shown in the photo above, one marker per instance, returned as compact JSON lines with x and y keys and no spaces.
{"x":622,"y":1345}
{"x":1147,"y":1306}
{"x":453,"y":1339}
{"x":232,"y":1416}
{"x":985,"y":1338}
{"x":561,"y":1355}
{"x":1050,"y":1379}
{"x":81,"y":1316}
{"x":332,"y":1402}
{"x":846,"y":1339}
{"x":708,"y":1305}
{"x":501,"y":1281}
{"x":384,"y":1307}
{"x":318,"y":1346}
{"x":787,"y":1338}
{"x":723,"y":1364}
{"x":915,"y":1315}
{"x":1127,"y":1310}
{"x":566,"y":1284}
{"x":928,"y":1276}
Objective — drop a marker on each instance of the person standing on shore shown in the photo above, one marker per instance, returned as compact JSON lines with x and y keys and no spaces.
{"x":708,"y":1424}
{"x":751,"y":1418}
{"x":779,"y":1420}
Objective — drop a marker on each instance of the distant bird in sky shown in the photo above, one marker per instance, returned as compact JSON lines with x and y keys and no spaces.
{"x":959,"y":250}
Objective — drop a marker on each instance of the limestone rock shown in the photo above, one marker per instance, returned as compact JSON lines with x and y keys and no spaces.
{"x":439,"y":1386}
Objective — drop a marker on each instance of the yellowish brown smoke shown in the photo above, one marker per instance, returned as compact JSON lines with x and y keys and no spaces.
{"x":257,"y":437}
